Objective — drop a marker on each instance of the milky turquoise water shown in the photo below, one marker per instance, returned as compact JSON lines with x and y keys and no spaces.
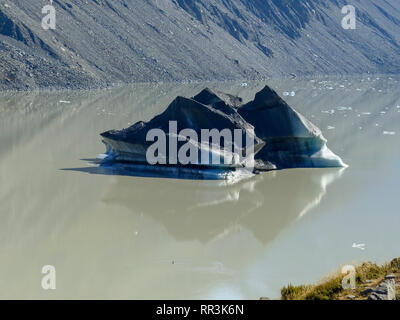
{"x":114,"y":236}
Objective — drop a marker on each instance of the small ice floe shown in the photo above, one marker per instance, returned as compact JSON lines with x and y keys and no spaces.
{"x":344,"y":108}
{"x":366,"y":113}
{"x":328,"y":111}
{"x":64,"y":101}
{"x":389,"y":133}
{"x":398,"y":107}
{"x":287,"y":93}
{"x":102,"y":156}
{"x":383,"y":112}
{"x":330,"y":127}
{"x":243,"y":84}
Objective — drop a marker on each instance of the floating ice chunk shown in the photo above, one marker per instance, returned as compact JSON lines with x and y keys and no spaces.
{"x":344,"y":108}
{"x":389,"y":133}
{"x":326,"y":158}
{"x":330,"y":128}
{"x":383,"y":112}
{"x":291,"y":93}
{"x":64,"y":101}
{"x":243,"y":84}
{"x":366,"y":113}
{"x":102,"y":156}
{"x":328,"y":111}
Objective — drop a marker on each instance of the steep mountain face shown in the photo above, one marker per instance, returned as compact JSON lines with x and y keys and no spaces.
{"x":101,"y":42}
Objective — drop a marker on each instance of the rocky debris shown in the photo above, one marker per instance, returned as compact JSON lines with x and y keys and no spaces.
{"x":101,"y":43}
{"x":367,"y":291}
{"x":386,"y":290}
{"x":283,"y":137}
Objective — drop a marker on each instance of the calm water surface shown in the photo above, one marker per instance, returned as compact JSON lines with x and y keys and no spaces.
{"x":112,"y":236}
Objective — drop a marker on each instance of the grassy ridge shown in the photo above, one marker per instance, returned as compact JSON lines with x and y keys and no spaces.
{"x":368,"y":275}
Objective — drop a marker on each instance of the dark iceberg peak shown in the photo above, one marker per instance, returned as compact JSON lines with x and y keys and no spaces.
{"x":217,"y":99}
{"x":273,"y":117}
{"x":265,"y":99}
{"x":190,"y":113}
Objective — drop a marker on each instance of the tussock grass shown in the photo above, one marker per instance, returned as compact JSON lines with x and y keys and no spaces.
{"x":330,"y":288}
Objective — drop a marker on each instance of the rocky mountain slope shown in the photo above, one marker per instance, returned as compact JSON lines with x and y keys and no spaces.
{"x":102,"y":42}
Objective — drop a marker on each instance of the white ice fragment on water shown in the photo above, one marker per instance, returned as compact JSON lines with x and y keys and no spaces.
{"x":389,"y":133}
{"x":376,"y":125}
{"x":328,"y":111}
{"x":102,"y":156}
{"x":291,"y":93}
{"x":366,"y":113}
{"x":331,"y":128}
{"x":344,"y":108}
{"x":243,"y":84}
{"x":326,"y":158}
{"x":398,"y":107}
{"x":64,"y":101}
{"x":383,"y":112}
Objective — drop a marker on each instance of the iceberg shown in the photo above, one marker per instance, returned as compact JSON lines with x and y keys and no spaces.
{"x":275,"y":135}
{"x":132,"y":144}
{"x":291,"y":141}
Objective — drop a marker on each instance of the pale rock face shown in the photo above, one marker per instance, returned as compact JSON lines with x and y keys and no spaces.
{"x":283,"y":137}
{"x":384,"y":291}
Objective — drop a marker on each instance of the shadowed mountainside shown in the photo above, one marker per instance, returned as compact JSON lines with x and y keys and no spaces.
{"x":102,"y":42}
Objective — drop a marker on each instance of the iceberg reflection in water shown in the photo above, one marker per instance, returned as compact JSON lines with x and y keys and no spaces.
{"x":207,"y":210}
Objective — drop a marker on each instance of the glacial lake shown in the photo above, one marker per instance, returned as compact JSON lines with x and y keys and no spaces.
{"x":114,"y":236}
